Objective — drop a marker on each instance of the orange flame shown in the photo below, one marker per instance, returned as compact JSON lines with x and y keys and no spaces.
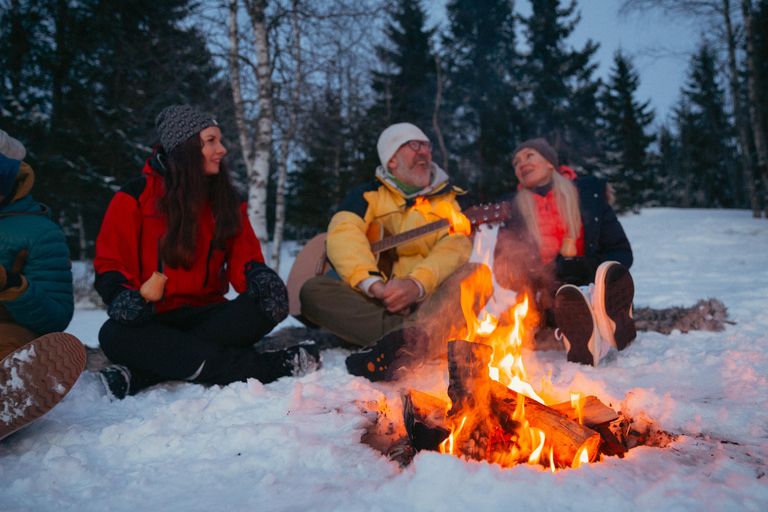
{"x":581,"y":457}
{"x":577,"y":402}
{"x":422,"y":206}
{"x":505,"y":333}
{"x":459,"y":222}
{"x":447,"y":445}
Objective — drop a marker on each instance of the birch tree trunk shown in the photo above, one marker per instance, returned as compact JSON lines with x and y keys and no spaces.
{"x":755,"y":113}
{"x":258,"y":173}
{"x":282,"y":171}
{"x":738,"y":112}
{"x":246,"y":147}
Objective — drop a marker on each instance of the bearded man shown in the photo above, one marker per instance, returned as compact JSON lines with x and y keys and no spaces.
{"x":365,"y":306}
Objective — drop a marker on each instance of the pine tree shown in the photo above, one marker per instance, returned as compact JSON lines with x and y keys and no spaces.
{"x":625,"y":123}
{"x":706,"y":135}
{"x":563,"y":107}
{"x":99,"y":74}
{"x":481,"y":65}
{"x":405,"y":91}
{"x":668,"y":190}
{"x":321,"y":180}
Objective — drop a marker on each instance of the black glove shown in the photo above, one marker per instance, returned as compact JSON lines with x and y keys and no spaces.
{"x":579,"y":271}
{"x":267,"y":289}
{"x":130,"y":308}
{"x":9,"y":279}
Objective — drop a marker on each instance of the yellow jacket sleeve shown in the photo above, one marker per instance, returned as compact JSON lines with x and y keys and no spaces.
{"x":348,"y":248}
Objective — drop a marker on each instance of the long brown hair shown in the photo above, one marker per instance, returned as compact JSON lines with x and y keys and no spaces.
{"x":187,"y":188}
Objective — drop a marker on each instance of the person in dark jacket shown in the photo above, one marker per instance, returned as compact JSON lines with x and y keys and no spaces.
{"x":39,"y":364}
{"x":183,"y":223}
{"x":582,"y":255}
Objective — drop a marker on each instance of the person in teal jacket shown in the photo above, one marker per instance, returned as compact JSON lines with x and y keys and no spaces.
{"x":38,"y":363}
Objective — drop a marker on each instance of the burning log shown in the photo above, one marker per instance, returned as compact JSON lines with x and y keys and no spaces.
{"x":424,"y":417}
{"x":593,"y":412}
{"x":566,"y":436}
{"x":471,"y":389}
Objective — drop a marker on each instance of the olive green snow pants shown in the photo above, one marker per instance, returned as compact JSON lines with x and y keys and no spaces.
{"x":361,"y":320}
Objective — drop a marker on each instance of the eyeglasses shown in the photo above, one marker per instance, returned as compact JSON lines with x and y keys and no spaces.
{"x":418,"y":144}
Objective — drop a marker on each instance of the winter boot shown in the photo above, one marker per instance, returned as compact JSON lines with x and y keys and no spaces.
{"x":576,"y":322}
{"x":377,"y":362}
{"x":294,"y":361}
{"x":36,"y":377}
{"x":117,"y":381}
{"x":303,"y":359}
{"x":612,"y":304}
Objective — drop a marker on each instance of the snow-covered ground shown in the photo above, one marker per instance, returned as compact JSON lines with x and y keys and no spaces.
{"x":295,"y":444}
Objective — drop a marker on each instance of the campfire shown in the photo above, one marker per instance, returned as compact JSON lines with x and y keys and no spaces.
{"x":492,"y":412}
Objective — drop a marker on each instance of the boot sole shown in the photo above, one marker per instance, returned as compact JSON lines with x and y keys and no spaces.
{"x":38,"y":381}
{"x":574,"y":318}
{"x":614,"y":293}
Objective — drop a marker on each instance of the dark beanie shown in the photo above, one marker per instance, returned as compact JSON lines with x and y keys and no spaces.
{"x":540,"y":145}
{"x":177,"y":123}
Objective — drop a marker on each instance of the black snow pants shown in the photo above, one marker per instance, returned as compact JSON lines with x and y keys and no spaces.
{"x":208,"y":344}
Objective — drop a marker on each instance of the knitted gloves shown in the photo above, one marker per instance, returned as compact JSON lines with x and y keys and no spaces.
{"x":267,"y":289}
{"x":130,"y":308}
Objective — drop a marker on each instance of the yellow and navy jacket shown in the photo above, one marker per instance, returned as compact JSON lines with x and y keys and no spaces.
{"x":429,"y":259}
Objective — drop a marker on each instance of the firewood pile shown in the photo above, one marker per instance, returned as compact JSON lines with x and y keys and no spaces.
{"x":485,"y":420}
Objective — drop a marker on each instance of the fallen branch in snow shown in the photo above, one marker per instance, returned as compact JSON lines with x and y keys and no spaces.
{"x":705,"y":315}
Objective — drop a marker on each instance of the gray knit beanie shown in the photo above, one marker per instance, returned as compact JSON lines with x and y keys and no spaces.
{"x":177,"y":123}
{"x":540,"y":145}
{"x":11,"y":148}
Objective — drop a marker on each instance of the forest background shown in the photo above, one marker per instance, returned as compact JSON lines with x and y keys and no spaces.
{"x":303,"y":88}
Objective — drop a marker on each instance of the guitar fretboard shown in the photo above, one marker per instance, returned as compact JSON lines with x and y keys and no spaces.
{"x":395,"y":240}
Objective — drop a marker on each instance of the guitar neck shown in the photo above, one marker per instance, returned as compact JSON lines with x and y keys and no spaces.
{"x":393,"y":241}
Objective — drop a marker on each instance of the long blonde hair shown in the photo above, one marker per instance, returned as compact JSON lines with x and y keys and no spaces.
{"x":567,"y":199}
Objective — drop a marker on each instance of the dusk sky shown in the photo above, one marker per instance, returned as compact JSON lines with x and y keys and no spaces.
{"x":660,"y":47}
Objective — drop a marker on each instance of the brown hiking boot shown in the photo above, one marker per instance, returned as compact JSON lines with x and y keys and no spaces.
{"x":35,"y":377}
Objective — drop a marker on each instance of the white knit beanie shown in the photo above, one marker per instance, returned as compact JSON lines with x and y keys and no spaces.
{"x":11,"y":148}
{"x":395,"y":136}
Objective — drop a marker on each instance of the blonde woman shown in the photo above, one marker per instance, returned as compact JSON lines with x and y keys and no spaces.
{"x":580,"y":243}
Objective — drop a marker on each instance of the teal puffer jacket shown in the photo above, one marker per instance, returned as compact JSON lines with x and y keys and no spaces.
{"x":45,"y":303}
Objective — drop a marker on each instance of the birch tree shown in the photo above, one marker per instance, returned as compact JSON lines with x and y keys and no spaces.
{"x":285,"y":145}
{"x":720,"y":11}
{"x":258,"y":172}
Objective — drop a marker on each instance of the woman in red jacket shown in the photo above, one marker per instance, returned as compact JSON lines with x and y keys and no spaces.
{"x":580,"y":242}
{"x":183,"y":219}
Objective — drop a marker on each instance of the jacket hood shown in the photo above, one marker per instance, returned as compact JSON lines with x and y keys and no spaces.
{"x":439,"y":180}
{"x":156,"y":164}
{"x":21,"y":186}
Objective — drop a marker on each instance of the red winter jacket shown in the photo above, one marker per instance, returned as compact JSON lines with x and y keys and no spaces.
{"x":551,"y":226}
{"x":127,"y":250}
{"x":553,"y":229}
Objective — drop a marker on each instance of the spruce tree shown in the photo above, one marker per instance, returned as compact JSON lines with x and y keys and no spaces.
{"x":99,"y":74}
{"x":405,"y":91}
{"x":321,"y":180}
{"x":563,"y":107}
{"x":625,"y":122}
{"x":706,"y":134}
{"x":481,"y":65}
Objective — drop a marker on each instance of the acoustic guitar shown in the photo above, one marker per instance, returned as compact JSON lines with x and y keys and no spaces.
{"x":312,"y":261}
